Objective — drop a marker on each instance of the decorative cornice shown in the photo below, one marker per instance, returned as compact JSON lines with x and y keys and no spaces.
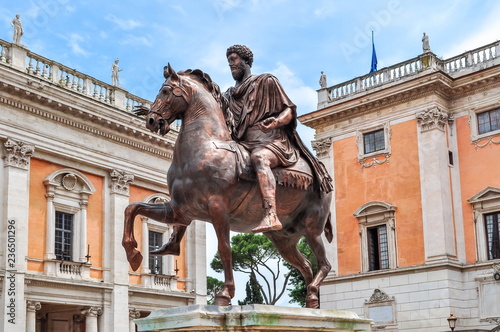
{"x":436,"y":83}
{"x":433,"y":118}
{"x":120,"y":182}
{"x":489,"y":140}
{"x":18,"y":154}
{"x":92,"y":129}
{"x":373,"y":161}
{"x":379,"y":296}
{"x":322,"y":147}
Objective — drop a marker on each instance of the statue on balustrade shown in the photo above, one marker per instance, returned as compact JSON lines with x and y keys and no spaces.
{"x":18,"y":30}
{"x":322,"y":81}
{"x":239,"y":164}
{"x":425,"y":43}
{"x":115,"y":77}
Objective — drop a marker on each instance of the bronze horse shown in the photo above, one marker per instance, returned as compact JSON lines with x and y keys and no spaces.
{"x":204,"y":185}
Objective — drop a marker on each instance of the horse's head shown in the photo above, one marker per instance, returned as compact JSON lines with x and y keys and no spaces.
{"x":169,"y":104}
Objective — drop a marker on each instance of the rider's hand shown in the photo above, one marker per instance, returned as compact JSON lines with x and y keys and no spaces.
{"x":268,"y":124}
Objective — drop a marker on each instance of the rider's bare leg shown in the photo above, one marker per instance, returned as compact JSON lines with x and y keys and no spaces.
{"x":263,"y":160}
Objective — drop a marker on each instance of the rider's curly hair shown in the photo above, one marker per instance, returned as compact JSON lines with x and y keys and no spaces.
{"x":243,"y":51}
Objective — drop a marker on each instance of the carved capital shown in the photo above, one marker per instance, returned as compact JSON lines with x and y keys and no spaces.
{"x":18,"y":153}
{"x":322,"y":147}
{"x":92,"y":311}
{"x":120,"y":182}
{"x":433,"y":118}
{"x":33,"y":305}
{"x":134,"y":314}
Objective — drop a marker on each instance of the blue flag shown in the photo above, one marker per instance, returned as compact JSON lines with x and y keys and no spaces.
{"x":374,"y":57}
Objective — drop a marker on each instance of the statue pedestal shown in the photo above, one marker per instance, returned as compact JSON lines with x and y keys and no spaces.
{"x":256,"y":317}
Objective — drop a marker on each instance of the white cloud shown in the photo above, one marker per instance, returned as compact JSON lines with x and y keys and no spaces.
{"x":137,"y":40}
{"x":74,"y":42}
{"x":481,"y":35}
{"x":303,"y":96}
{"x":123,"y":24}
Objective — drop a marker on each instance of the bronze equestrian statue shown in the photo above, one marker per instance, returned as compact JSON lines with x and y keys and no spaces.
{"x":231,"y":151}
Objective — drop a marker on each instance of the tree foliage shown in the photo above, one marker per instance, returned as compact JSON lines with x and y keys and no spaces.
{"x":299,"y":291}
{"x":214,"y":286}
{"x":253,"y":295}
{"x":255,"y":253}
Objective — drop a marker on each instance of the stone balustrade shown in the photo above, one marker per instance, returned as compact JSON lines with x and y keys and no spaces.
{"x":58,"y":74}
{"x":455,"y":66}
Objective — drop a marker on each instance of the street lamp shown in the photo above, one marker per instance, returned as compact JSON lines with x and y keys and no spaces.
{"x":452,"y":320}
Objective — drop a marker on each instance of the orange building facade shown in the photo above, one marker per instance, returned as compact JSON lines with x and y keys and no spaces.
{"x":414,"y":150}
{"x":73,"y":157}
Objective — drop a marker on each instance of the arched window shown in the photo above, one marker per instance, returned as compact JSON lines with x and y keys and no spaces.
{"x":486,"y":209}
{"x":67,"y":193}
{"x":378,"y":239}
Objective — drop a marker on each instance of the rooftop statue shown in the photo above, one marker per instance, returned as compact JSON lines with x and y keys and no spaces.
{"x":239,"y":164}
{"x":322,"y":81}
{"x":425,"y":43}
{"x":18,"y":30}
{"x":115,"y":76}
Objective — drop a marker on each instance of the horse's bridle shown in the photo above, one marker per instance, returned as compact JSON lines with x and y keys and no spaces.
{"x":176,"y":91}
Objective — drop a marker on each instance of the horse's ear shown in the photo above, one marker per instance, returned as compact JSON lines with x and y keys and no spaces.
{"x":168,"y":71}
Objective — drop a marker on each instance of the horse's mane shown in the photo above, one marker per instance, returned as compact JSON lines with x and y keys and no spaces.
{"x":207,"y":82}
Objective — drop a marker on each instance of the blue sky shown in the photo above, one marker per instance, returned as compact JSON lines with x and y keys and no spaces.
{"x":295,"y":40}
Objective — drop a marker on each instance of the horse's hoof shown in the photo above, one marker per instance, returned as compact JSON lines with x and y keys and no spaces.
{"x":222,"y":300}
{"x":167,"y":249}
{"x":312,"y":303}
{"x":135,"y":259}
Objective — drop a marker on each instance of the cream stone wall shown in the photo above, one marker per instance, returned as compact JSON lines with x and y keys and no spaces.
{"x":60,"y":130}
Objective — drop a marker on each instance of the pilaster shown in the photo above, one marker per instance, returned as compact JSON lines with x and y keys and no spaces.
{"x":324,"y":152}
{"x":119,"y":200}
{"x":14,"y":224}
{"x":436,"y":187}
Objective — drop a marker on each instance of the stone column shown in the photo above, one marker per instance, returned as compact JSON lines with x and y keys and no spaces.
{"x":50,"y":228}
{"x":31,"y":308}
{"x":133,"y":314}
{"x":91,"y":314}
{"x":82,"y":251}
{"x":119,"y":200}
{"x":324,"y":152}
{"x":196,"y":256}
{"x":437,"y":208}
{"x":14,"y":223}
{"x":145,"y":246}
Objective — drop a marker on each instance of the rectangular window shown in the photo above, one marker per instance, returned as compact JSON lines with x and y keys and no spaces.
{"x":378,"y":248}
{"x":155,"y":242}
{"x":492,"y":223}
{"x":488,"y":121}
{"x":374,"y":141}
{"x":64,"y":236}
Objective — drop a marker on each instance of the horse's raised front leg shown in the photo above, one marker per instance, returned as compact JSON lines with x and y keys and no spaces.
{"x":220,"y":220}
{"x":157,"y":211}
{"x":173,"y":246}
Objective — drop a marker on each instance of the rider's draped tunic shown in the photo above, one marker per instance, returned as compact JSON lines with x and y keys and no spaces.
{"x":259,"y":97}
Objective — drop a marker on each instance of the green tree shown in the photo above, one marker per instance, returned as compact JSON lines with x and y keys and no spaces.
{"x":214,"y":285}
{"x":255,"y":253}
{"x":299,"y":291}
{"x":253,"y":292}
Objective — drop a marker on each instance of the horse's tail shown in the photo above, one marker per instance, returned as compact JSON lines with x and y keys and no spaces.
{"x":329,"y":228}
